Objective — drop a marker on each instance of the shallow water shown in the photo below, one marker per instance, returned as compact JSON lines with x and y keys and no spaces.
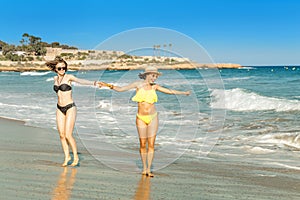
{"x":262,"y":107}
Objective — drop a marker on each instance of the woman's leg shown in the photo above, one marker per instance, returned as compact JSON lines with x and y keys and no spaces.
{"x":69,"y":127}
{"x":60,"y":121}
{"x":151,"y":136}
{"x":142,"y":131}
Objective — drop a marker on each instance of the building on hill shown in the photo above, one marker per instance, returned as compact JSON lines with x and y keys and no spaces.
{"x":98,"y":54}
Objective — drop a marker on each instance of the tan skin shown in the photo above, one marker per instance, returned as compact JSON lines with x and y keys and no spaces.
{"x":65,"y":123}
{"x":147,"y":132}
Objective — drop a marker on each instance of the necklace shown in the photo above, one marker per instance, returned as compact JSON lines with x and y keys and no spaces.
{"x":59,"y":82}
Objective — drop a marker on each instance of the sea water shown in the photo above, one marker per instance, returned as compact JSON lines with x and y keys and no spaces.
{"x":257,"y":111}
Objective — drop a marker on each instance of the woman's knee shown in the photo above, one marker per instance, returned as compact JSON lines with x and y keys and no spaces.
{"x":69,"y":137}
{"x":143,"y":144}
{"x":151,"y":143}
{"x":150,"y":147}
{"x":62,"y":136}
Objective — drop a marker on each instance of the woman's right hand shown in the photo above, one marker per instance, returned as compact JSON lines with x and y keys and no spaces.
{"x":100,"y":84}
{"x":106,"y":85}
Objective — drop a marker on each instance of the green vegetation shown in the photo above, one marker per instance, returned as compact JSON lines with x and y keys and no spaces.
{"x":67,"y":55}
{"x":32,"y":45}
{"x":125,"y":56}
{"x":30,"y":48}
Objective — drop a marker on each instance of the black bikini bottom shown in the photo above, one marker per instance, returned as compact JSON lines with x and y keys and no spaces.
{"x":64,"y":109}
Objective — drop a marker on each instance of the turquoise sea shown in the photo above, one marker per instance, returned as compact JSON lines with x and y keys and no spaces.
{"x":251,"y":116}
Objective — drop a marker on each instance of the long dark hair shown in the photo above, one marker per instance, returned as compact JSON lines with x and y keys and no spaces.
{"x":142,"y":76}
{"x":52,"y":64}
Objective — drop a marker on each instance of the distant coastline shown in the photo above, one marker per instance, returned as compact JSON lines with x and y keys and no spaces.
{"x":86,"y":65}
{"x":32,"y":53}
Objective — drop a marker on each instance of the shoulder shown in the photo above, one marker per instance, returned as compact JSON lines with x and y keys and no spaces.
{"x":155,"y":86}
{"x":138,"y":84}
{"x":55,"y":78}
{"x":70,"y":77}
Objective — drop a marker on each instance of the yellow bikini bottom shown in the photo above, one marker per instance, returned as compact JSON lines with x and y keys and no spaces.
{"x":147,"y":118}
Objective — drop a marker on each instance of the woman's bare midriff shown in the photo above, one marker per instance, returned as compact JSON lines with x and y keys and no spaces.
{"x":64,"y":98}
{"x":145,"y":108}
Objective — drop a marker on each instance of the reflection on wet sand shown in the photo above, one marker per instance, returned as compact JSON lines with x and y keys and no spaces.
{"x":64,"y":184}
{"x":143,"y":188}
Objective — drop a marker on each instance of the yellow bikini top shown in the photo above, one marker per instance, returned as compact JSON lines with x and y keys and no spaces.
{"x":143,"y":95}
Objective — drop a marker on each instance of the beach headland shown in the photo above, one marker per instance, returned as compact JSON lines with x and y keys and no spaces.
{"x":30,"y":169}
{"x":107,"y":65}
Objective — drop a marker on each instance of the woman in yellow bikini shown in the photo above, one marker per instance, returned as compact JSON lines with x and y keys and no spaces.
{"x":146,"y":118}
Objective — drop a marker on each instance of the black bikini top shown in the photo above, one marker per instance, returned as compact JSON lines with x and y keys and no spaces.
{"x":63,"y":87}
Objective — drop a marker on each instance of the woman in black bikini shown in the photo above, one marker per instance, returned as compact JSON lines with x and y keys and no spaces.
{"x":66,"y":108}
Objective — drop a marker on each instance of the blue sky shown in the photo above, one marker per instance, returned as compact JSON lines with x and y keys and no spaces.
{"x":248,"y":32}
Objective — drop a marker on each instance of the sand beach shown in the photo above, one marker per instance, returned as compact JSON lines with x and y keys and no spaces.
{"x":30,"y":169}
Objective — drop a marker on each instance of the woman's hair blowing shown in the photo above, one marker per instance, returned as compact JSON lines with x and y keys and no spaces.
{"x":52,"y":64}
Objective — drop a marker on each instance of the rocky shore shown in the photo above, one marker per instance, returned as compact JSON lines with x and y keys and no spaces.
{"x":107,"y":65}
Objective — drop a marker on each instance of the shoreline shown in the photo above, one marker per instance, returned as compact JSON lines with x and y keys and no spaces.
{"x":30,"y":169}
{"x":108,"y":65}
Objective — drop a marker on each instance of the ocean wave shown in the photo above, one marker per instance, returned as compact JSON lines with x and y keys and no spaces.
{"x":4,"y":105}
{"x":34,"y":73}
{"x":246,"y":68}
{"x":237,"y":78}
{"x":49,"y":79}
{"x":242,"y":100}
{"x":260,"y":150}
{"x":105,"y":104}
{"x":291,"y":140}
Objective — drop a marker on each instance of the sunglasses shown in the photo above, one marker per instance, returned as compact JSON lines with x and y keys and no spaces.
{"x":61,"y":68}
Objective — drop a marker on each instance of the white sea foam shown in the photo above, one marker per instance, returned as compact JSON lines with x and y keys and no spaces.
{"x":4,"y":105}
{"x":34,"y":73}
{"x":287,"y":166}
{"x":237,"y":78}
{"x":105,"y":105}
{"x":282,"y":139}
{"x":49,"y":79}
{"x":241,"y":100}
{"x":259,"y":150}
{"x":247,"y":68}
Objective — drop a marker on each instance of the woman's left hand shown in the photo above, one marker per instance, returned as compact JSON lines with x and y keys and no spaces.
{"x":100,"y":84}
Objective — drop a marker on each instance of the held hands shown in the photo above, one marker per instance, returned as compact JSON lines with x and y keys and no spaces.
{"x":98,"y":84}
{"x":103,"y":84}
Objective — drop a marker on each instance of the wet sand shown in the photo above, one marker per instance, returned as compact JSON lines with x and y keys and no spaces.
{"x":30,"y":169}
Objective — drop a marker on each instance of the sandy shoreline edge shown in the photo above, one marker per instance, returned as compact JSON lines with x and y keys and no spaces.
{"x":89,"y":65}
{"x":30,"y":169}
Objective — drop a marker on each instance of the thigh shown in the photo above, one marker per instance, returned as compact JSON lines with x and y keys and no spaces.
{"x":152,"y":127}
{"x":151,"y":141}
{"x":143,"y":142}
{"x":60,"y":122}
{"x":141,"y":128}
{"x":70,"y":120}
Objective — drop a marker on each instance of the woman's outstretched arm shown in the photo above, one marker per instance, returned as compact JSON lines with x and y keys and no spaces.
{"x":170,"y":91}
{"x":83,"y":81}
{"x":124,"y":88}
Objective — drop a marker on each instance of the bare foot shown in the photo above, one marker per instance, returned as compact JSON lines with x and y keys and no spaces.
{"x":75,"y":162}
{"x":66,"y":161}
{"x":144,"y":172}
{"x":150,"y":174}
